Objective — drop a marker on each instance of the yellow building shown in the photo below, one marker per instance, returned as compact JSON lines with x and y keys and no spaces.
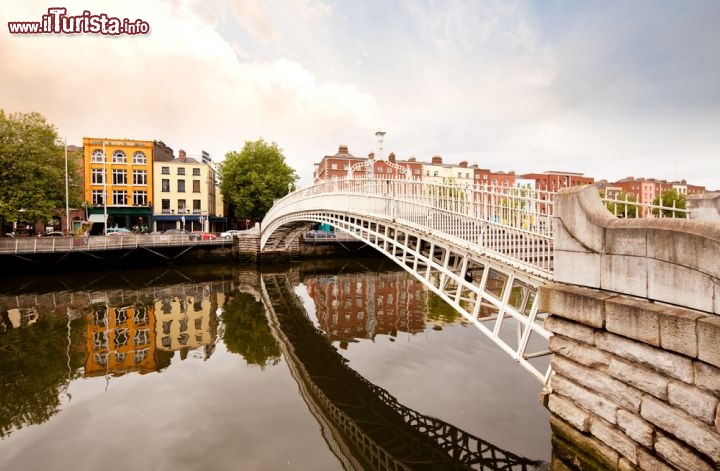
{"x":119,"y":181}
{"x":186,"y":195}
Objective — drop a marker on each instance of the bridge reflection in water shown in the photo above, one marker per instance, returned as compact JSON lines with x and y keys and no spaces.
{"x":365,"y":426}
{"x":105,"y":328}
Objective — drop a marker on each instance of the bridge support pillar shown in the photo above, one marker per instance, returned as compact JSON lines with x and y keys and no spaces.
{"x":635,"y":384}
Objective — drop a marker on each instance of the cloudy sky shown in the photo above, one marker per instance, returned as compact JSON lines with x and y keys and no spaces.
{"x":609,"y":88}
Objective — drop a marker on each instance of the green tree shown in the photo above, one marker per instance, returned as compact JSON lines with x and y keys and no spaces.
{"x":254,"y":178}
{"x":247,"y":331}
{"x":670,"y":199}
{"x":32,"y":167}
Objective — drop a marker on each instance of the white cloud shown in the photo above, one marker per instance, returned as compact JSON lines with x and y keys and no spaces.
{"x":507,"y":84}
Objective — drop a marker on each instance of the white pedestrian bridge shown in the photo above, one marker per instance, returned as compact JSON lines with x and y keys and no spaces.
{"x":484,"y":250}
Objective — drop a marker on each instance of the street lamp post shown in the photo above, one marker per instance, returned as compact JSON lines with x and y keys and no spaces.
{"x":105,"y":177}
{"x":67,"y":186}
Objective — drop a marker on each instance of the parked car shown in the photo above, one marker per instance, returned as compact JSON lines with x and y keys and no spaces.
{"x":320,"y":235}
{"x":176,"y":231}
{"x":118,"y":231}
{"x":200,"y":235}
{"x":229,"y":234}
{"x":52,"y":234}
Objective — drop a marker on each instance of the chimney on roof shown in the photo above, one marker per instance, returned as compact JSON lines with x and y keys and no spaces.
{"x":436,"y":160}
{"x":463,"y":164}
{"x":371,"y":155}
{"x":411,"y":159}
{"x":391,"y":157}
{"x":182,"y":155}
{"x":343,"y":149}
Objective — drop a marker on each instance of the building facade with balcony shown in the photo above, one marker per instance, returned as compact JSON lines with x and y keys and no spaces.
{"x":186,"y":195}
{"x":119,"y":180}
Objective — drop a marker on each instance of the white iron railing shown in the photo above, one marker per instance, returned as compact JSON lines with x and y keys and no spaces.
{"x":628,"y":208}
{"x":513,"y":224}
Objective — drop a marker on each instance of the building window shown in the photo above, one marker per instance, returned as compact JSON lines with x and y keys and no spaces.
{"x":196,"y":172}
{"x":196,"y":207}
{"x":100,"y":340}
{"x":139,"y":177}
{"x":119,"y":177}
{"x":140,"y":198}
{"x":181,"y":186}
{"x":98,"y":196}
{"x":165,"y":170}
{"x":97,"y":156}
{"x":435,"y":173}
{"x":346,"y":166}
{"x":139,"y":158}
{"x":165,"y":185}
{"x":119,"y":157}
{"x":196,"y":186}
{"x":121,"y":337}
{"x":121,"y":316}
{"x":120,"y":197}
{"x":165,"y":204}
{"x":333,"y":167}
{"x":380,"y":170}
{"x":98,"y":176}
{"x":140,"y":355}
{"x":142,"y":337}
{"x":181,"y":170}
{"x":181,"y":206}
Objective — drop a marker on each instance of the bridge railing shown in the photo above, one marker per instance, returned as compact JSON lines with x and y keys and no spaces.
{"x":514,"y":224}
{"x":625,"y":207}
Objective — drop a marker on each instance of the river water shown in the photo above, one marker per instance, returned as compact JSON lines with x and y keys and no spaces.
{"x":313,"y":366}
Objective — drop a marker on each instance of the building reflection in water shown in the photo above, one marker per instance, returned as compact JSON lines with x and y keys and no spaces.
{"x":352,"y":306}
{"x":142,"y":335}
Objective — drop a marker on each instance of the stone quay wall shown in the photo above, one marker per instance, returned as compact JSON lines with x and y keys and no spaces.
{"x":636,"y":340}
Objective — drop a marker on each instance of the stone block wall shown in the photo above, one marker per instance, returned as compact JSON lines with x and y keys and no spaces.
{"x":635,"y":383}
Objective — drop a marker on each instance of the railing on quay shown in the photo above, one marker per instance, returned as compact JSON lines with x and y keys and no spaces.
{"x":107,"y":242}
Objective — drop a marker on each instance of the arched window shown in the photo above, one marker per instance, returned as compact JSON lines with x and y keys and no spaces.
{"x":97,"y":156}
{"x":139,"y":158}
{"x":119,"y":157}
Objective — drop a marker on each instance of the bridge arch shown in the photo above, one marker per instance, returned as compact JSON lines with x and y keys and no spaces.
{"x":487,"y":268}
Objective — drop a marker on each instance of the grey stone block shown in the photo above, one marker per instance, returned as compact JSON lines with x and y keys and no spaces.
{"x":573,"y":330}
{"x":640,"y":377}
{"x":635,"y":427}
{"x":681,"y":425}
{"x":633,"y":318}
{"x":680,"y":455}
{"x":678,"y":330}
{"x":694,"y":401}
{"x":709,"y":340}
{"x":614,"y":438}
{"x":584,"y":398}
{"x":669,"y":363}
{"x":599,"y":383}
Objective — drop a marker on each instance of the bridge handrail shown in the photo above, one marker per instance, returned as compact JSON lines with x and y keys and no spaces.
{"x":508,"y":221}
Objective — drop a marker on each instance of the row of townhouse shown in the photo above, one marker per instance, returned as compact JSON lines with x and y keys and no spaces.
{"x":142,"y":186}
{"x":343,"y":164}
{"x":645,"y":190}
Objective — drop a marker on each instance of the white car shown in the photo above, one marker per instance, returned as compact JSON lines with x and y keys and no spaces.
{"x":229,"y":234}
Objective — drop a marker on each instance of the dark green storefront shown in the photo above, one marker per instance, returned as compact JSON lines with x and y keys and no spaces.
{"x":134,"y":218}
